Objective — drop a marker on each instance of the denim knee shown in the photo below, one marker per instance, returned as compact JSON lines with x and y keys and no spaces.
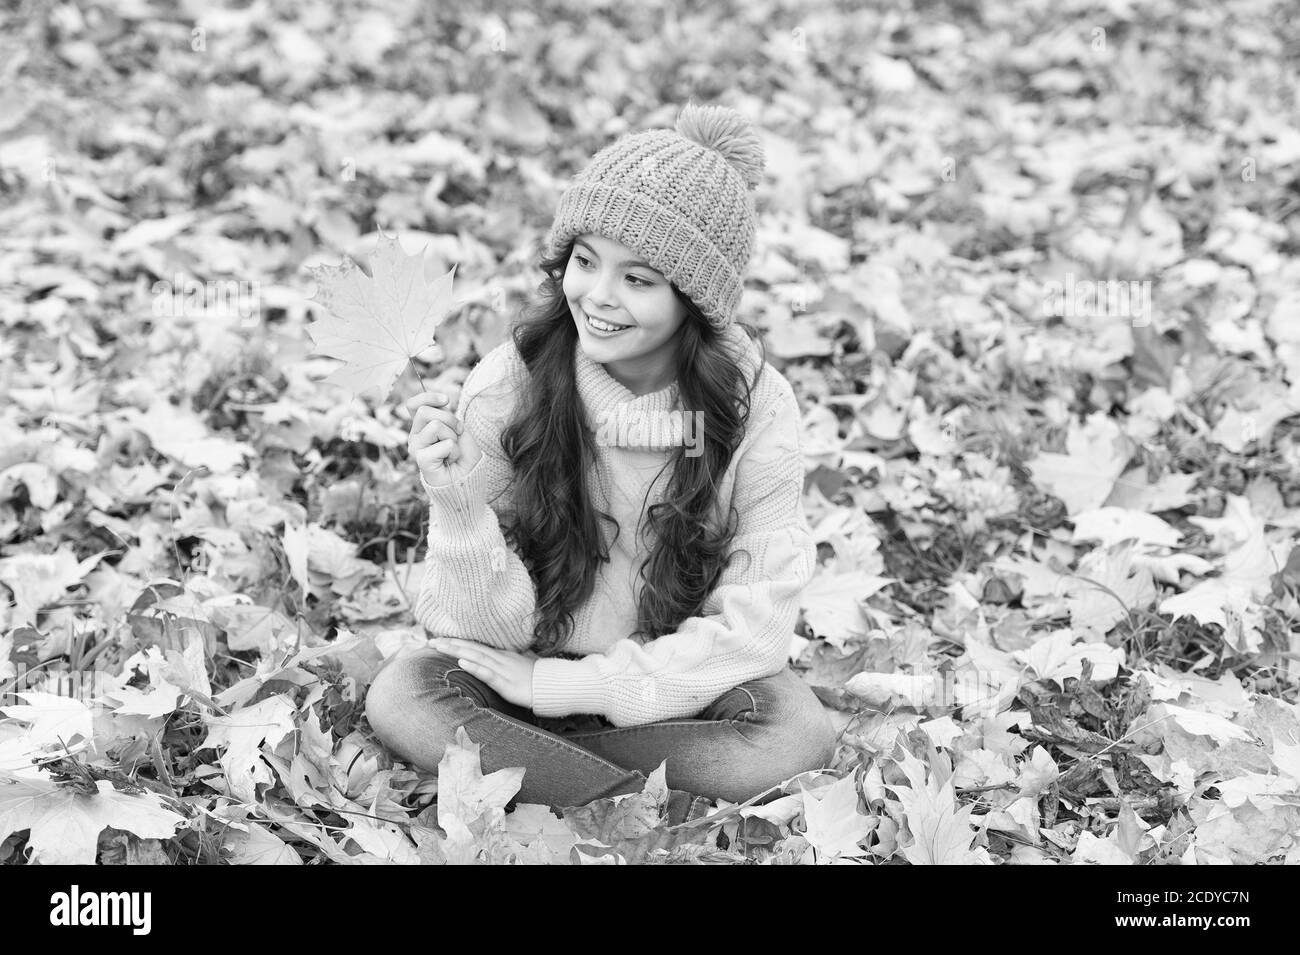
{"x":816,"y":726}
{"x":796,"y":725}
{"x":821,"y":729}
{"x":405,"y":702}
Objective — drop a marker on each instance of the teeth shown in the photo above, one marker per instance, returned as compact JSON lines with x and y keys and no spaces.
{"x":604,"y":326}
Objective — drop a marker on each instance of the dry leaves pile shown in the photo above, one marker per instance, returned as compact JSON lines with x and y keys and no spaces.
{"x":1056,"y":611}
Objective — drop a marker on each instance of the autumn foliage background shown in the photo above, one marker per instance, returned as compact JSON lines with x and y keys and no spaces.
{"x":1056,"y":609}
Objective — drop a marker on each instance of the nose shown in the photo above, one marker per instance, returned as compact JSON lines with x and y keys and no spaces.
{"x":601,"y":292}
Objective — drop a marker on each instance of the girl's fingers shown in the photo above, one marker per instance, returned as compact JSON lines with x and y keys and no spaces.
{"x":479,"y":658}
{"x":470,"y":649}
{"x":447,"y":428}
{"x":436,"y":451}
{"x":480,"y":671}
{"x":435,"y":432}
{"x":476,"y":669}
{"x":426,"y":398}
{"x":424,"y":414}
{"x":432,"y":432}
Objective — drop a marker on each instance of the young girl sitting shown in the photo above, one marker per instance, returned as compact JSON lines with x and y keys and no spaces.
{"x":617,"y":541}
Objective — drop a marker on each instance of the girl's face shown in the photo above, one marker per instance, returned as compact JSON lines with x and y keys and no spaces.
{"x":608,"y":281}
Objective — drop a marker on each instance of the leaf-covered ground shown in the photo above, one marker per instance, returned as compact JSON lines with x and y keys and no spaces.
{"x":1056,"y":610}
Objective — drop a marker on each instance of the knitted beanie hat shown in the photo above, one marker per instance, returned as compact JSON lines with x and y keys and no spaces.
{"x":679,"y":197}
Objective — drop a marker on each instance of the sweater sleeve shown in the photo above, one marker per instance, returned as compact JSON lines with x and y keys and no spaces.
{"x":475,"y":586}
{"x":749,"y":617}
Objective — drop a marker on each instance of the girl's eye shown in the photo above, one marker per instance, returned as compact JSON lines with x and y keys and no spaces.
{"x":585,"y":263}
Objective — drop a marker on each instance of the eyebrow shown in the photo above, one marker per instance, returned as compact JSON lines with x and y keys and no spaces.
{"x":626,"y":263}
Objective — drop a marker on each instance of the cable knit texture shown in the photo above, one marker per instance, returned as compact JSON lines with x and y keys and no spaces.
{"x":681,"y":198}
{"x":477,"y":588}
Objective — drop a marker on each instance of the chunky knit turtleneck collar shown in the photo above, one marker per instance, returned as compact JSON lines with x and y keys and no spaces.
{"x":654,"y":420}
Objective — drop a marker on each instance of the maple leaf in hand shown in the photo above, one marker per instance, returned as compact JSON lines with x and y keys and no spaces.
{"x":377,"y":323}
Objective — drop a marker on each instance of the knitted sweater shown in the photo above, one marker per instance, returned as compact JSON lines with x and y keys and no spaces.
{"x":477,"y":588}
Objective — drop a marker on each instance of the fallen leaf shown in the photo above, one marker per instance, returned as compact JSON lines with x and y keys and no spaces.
{"x":1057,"y":657}
{"x":1084,"y":476}
{"x":38,"y":580}
{"x":53,"y":719}
{"x":833,"y":825}
{"x":257,"y":845}
{"x":941,"y":833}
{"x":468,"y":801}
{"x":65,"y":824}
{"x":241,"y":734}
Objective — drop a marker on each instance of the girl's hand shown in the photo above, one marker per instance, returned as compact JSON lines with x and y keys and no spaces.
{"x":439,"y":442}
{"x":507,"y":672}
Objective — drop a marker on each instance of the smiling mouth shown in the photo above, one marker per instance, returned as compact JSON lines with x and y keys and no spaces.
{"x":601,"y":325}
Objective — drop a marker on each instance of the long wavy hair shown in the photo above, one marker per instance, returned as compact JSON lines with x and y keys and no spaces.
{"x":553,"y":524}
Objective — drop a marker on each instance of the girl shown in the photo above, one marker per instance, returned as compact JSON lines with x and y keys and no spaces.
{"x":617,"y":540}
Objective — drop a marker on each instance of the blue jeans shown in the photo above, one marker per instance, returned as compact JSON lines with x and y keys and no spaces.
{"x":749,"y":739}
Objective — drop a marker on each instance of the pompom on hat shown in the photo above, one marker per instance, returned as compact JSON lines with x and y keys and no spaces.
{"x":681,"y":198}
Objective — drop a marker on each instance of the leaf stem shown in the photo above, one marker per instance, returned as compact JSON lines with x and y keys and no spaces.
{"x":411,"y":362}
